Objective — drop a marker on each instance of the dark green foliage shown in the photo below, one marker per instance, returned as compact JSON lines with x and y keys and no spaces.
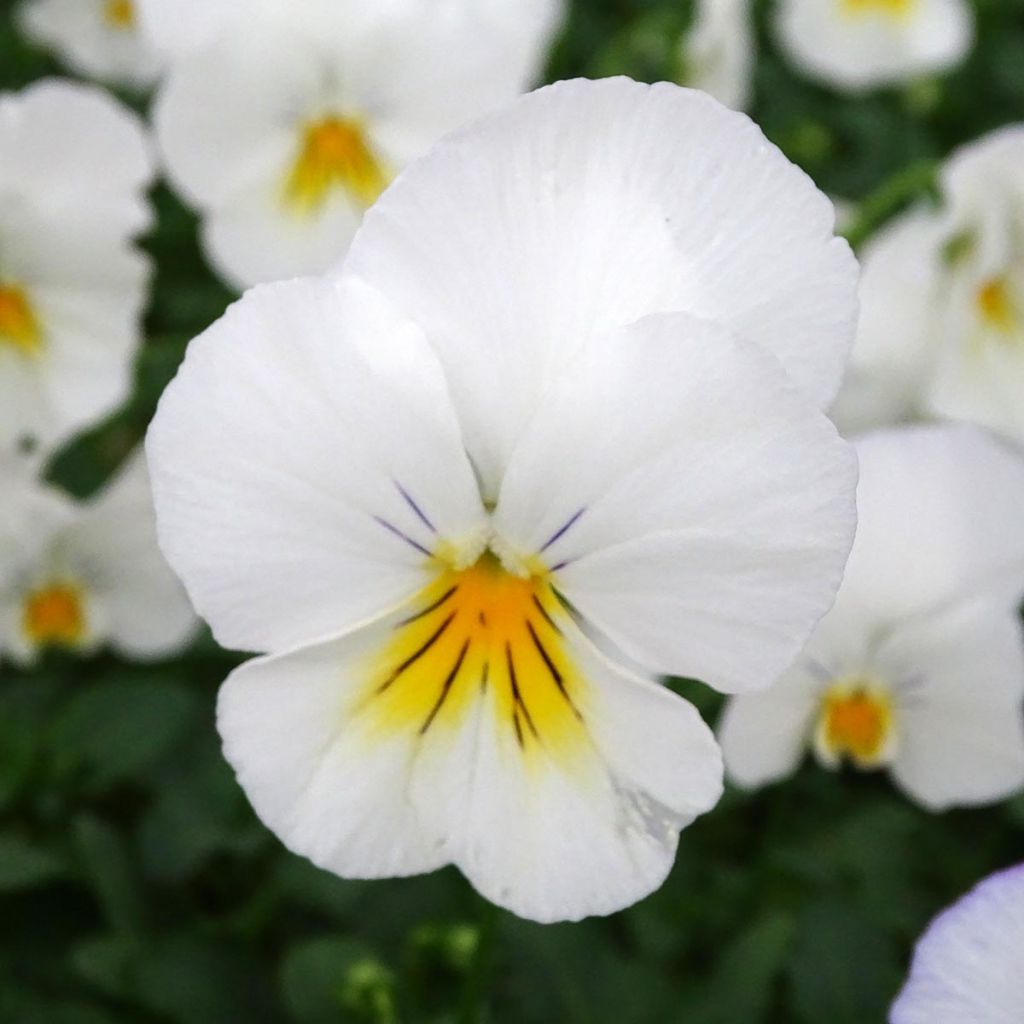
{"x":137,"y":886}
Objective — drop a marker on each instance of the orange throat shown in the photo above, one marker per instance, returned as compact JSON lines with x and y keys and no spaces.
{"x":335,"y":156}
{"x":54,"y":616}
{"x":19,"y":324}
{"x":482,"y":632}
{"x":855,"y":723}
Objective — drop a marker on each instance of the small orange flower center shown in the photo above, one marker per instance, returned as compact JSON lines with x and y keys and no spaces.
{"x":334,"y":154}
{"x":19,"y":326}
{"x":481,"y":632}
{"x":54,"y":616}
{"x":119,"y":13}
{"x":856,"y":722}
{"x":996,"y":306}
{"x":895,"y":9}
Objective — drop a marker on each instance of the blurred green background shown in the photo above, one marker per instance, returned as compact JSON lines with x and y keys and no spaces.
{"x":137,"y":886}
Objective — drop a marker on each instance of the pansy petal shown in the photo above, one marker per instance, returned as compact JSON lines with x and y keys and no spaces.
{"x":862,"y":45}
{"x":252,"y":236}
{"x":692,"y":504}
{"x":961,"y":709}
{"x":57,"y":125}
{"x":938,"y":515}
{"x":574,"y":809}
{"x":887,"y":376}
{"x":306,"y":462}
{"x":966,"y":967}
{"x":564,"y":843}
{"x":222,"y":121}
{"x":585,"y":206}
{"x":113,"y":548}
{"x":764,"y":735}
{"x":327,"y":788}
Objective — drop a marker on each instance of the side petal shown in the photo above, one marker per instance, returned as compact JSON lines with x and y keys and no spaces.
{"x":585,"y":206}
{"x":961,"y":718}
{"x":690,"y":502}
{"x":306,"y":462}
{"x":114,"y":546}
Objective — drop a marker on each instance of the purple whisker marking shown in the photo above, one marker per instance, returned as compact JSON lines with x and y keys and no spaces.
{"x":402,"y":536}
{"x":561,"y":565}
{"x":561,"y":532}
{"x":420,"y":514}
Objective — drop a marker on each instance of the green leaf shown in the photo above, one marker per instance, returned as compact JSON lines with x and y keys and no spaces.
{"x":844,"y":969}
{"x":24,"y":864}
{"x":110,"y":869}
{"x":104,"y":962}
{"x":116,"y":729}
{"x":741,"y":987}
{"x":195,"y":979}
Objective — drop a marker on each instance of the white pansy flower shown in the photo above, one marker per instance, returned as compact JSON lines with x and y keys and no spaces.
{"x":718,"y":51}
{"x":919,"y":667}
{"x":96,"y":38}
{"x":458,"y":489}
{"x":73,"y":167}
{"x":942,"y":325}
{"x":79,"y":575}
{"x":284,"y":132}
{"x":861,"y":44}
{"x":966,"y":967}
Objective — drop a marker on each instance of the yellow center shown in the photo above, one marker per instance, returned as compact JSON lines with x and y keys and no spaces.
{"x":996,"y":307}
{"x":895,"y":9}
{"x":482,"y":632}
{"x":334,"y":154}
{"x":54,"y":616}
{"x":119,"y":13}
{"x":19,"y":326}
{"x":856,"y":721}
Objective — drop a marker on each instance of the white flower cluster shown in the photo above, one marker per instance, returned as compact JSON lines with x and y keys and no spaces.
{"x":517,"y":422}
{"x":74,"y":165}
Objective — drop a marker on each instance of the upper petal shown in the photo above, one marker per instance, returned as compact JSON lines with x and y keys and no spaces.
{"x":305,"y":462}
{"x":585,"y":206}
{"x":693,"y":505}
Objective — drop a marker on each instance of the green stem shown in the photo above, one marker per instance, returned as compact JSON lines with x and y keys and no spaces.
{"x":894,"y":193}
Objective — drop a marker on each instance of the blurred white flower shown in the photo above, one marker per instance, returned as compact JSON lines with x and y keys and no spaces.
{"x":96,"y":38}
{"x":861,"y":44}
{"x":78,"y":575}
{"x":966,"y":967}
{"x":919,"y":667}
{"x":942,"y":301}
{"x":73,"y":167}
{"x":284,"y":130}
{"x":718,"y":52}
{"x":400,"y":480}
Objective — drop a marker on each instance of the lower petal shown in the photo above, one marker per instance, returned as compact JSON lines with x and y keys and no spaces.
{"x":556,"y":782}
